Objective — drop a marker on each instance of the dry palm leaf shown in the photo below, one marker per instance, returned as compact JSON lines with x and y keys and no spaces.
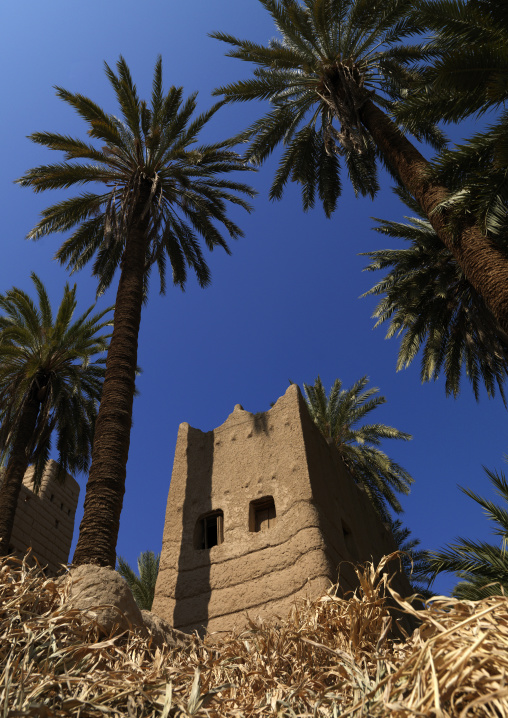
{"x":330,"y":657}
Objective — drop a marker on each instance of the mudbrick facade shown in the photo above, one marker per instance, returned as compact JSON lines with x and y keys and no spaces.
{"x":260,"y":511}
{"x":44,"y":521}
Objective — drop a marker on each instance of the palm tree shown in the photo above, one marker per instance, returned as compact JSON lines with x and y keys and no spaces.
{"x":331,"y":76}
{"x":429,"y":303}
{"x":49,"y":382}
{"x":142,"y":585}
{"x":482,"y":567}
{"x":467,"y":76}
{"x":336,"y":416}
{"x":161,"y":192}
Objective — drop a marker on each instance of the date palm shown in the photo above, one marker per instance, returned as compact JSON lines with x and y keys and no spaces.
{"x":142,"y":585}
{"x":51,"y":376}
{"x":337,"y":416}
{"x":161,"y":193}
{"x":431,"y":306}
{"x":332,"y":77}
{"x":482,"y":567}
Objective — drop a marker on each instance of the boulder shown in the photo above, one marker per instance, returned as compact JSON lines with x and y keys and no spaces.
{"x":103,"y":593}
{"x":162,"y":632}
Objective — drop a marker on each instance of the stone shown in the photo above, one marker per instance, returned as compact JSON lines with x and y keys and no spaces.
{"x":103,"y":593}
{"x":162,"y":632}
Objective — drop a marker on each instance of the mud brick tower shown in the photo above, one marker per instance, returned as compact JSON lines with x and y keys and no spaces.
{"x":45,"y":521}
{"x":260,"y":511}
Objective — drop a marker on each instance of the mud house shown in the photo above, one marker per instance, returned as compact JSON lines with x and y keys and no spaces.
{"x":260,"y":511}
{"x":45,"y":521}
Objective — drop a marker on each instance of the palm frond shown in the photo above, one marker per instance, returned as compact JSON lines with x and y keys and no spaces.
{"x":143,"y":584}
{"x":481,"y":566}
{"x":429,"y":304}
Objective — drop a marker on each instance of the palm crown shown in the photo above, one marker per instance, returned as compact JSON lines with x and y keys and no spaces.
{"x":430,"y":304}
{"x":337,"y":416}
{"x":58,"y":362}
{"x":150,"y":166}
{"x":332,"y":56}
{"x":335,"y":78}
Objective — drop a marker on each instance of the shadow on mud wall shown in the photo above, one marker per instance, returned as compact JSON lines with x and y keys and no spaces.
{"x":193,"y":590}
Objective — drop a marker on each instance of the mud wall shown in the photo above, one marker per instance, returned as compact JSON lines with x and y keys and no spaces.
{"x":45,"y":521}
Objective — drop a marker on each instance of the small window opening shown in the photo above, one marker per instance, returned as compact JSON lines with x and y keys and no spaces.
{"x":262,"y":514}
{"x":52,"y":497}
{"x":27,"y":498}
{"x":349,"y":541}
{"x":209,"y":530}
{"x":56,"y":523}
{"x":68,"y":512}
{"x":61,"y":506}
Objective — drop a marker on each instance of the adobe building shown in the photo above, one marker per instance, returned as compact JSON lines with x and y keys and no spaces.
{"x":261,"y":511}
{"x":45,"y":521}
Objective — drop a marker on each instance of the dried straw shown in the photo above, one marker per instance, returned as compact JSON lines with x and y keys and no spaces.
{"x":330,"y":657}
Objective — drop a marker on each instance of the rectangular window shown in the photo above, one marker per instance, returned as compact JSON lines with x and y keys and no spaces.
{"x":262,"y":515}
{"x":209,"y":530}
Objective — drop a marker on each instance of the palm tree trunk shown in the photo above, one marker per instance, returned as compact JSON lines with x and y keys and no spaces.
{"x":16,"y":468}
{"x":98,"y":532}
{"x":482,"y":262}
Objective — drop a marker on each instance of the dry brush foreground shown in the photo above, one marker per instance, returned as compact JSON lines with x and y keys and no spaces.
{"x":330,"y":657}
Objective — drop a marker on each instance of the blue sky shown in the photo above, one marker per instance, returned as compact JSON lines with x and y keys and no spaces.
{"x":284,"y":306}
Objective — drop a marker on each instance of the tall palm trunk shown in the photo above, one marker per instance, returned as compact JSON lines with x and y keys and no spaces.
{"x":16,"y":468}
{"x":482,"y":262}
{"x":98,"y":532}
